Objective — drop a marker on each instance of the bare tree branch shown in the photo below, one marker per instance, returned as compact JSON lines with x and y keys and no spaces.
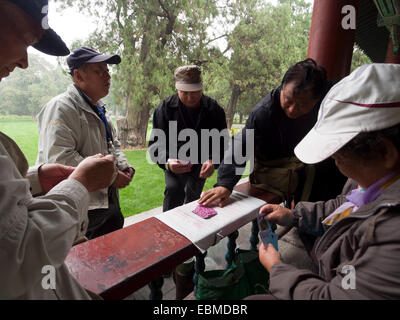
{"x":219,"y":37}
{"x":119,"y":8}
{"x":164,"y":9}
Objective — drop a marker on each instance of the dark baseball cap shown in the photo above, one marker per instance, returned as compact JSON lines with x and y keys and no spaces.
{"x":50,"y":43}
{"x":83,"y":55}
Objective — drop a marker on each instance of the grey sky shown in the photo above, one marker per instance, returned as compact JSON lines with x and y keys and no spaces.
{"x":69,"y":24}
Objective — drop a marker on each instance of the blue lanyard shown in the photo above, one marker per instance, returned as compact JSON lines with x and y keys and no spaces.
{"x":103,"y":118}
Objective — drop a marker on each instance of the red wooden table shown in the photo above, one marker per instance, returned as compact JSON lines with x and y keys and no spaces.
{"x":121,"y":262}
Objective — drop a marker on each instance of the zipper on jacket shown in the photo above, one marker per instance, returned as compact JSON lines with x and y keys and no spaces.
{"x":346,"y":218}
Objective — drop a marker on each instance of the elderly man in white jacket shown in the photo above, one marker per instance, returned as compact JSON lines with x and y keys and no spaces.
{"x":75,"y":125}
{"x":36,"y":234}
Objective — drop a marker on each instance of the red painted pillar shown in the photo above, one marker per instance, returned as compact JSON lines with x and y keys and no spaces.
{"x":330,"y":44}
{"x":390,"y":56}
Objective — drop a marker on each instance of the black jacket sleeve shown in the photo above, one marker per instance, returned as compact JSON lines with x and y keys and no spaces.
{"x":230,"y":171}
{"x":236,"y":157}
{"x":158,"y":149}
{"x":221,"y":125}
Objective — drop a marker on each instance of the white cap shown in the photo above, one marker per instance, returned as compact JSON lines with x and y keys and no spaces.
{"x":366,"y":100}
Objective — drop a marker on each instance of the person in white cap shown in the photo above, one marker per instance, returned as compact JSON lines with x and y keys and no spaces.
{"x":36,"y":234}
{"x":358,"y":254}
{"x":75,"y":125}
{"x":188,"y":109}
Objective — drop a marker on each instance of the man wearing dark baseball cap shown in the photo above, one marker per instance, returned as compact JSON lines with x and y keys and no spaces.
{"x":75,"y":125}
{"x":23,"y":24}
{"x":39,"y":232}
{"x":84,"y":55}
{"x":50,"y":42}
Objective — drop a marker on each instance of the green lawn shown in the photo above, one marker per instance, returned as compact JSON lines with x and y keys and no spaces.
{"x":24,"y":131}
{"x":146,"y":190}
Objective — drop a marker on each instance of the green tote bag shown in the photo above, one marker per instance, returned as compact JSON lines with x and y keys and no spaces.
{"x":245,"y":277}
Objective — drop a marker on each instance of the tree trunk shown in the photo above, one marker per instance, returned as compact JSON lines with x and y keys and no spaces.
{"x":117,"y":111}
{"x":132,"y":129}
{"x":230,"y":112}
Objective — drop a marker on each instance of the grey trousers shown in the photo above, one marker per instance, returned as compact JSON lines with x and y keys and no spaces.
{"x":182,"y":188}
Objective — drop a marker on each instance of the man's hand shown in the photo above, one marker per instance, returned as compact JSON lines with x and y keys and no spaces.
{"x":220,"y":194}
{"x":123,"y":179}
{"x":52,"y":174}
{"x":175,"y":166}
{"x":268,"y":256}
{"x":96,"y":172}
{"x":277,"y":214}
{"x":207,"y":169}
{"x":129,"y":172}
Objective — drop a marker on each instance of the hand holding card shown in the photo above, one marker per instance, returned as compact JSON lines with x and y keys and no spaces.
{"x":185,"y":163}
{"x":266,"y":233}
{"x":204,"y":212}
{"x":178,"y":166}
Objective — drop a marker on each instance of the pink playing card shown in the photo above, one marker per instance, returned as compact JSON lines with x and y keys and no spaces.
{"x":204,"y":212}
{"x":186,"y":163}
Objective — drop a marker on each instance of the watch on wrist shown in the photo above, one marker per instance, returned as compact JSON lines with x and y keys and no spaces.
{"x":166,"y":165}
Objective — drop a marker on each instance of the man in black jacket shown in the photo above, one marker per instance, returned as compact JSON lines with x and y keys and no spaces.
{"x":280,"y":121}
{"x":191,"y":136}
